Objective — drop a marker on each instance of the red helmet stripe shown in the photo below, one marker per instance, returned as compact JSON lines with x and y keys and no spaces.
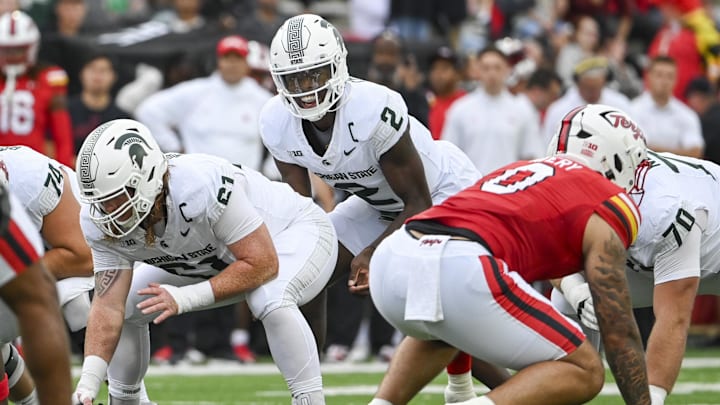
{"x":12,"y":25}
{"x":565,"y":126}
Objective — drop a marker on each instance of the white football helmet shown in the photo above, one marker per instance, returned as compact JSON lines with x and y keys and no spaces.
{"x":120,"y":169}
{"x":308,"y":65}
{"x":19,"y":40}
{"x":603,"y":138}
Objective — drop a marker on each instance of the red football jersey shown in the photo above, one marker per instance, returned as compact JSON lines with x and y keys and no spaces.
{"x":533,"y":214}
{"x":28,"y":115}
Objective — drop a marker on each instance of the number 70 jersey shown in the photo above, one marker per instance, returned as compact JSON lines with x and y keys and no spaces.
{"x":370,"y":121}
{"x":674,"y":188}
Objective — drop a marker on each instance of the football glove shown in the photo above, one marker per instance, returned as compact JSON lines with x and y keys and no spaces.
{"x":93,"y":374}
{"x":577,"y":293}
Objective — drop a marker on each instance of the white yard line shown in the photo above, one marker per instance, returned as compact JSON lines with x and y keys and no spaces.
{"x":231,"y":368}
{"x":609,"y":389}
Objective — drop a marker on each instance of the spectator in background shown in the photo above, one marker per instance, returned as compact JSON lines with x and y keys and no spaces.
{"x":217,"y":114}
{"x":367,"y":18}
{"x":69,"y":17}
{"x":261,"y":22}
{"x":678,"y":42}
{"x":492,"y":126}
{"x":669,"y":125}
{"x":542,"y":89}
{"x":590,"y":87}
{"x":693,"y":15}
{"x":614,"y":17}
{"x":702,"y":98}
{"x":95,"y":104}
{"x":412,"y":19}
{"x":584,"y":44}
{"x":444,"y":79}
{"x":184,"y":16}
{"x":33,"y":95}
{"x":392,"y":68}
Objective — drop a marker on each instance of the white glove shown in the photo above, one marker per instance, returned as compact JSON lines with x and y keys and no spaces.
{"x":577,"y":293}
{"x":93,"y":374}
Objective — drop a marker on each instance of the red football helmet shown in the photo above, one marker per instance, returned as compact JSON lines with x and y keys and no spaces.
{"x":19,"y":40}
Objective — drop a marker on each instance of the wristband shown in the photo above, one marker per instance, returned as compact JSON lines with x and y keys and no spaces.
{"x":657,"y":395}
{"x":191,"y":296}
{"x":93,"y":374}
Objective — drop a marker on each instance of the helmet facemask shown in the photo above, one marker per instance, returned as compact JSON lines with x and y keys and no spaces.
{"x":311,"y":93}
{"x":129,"y":204}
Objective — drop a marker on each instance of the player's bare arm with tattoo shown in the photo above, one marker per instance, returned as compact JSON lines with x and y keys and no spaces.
{"x":107,"y":312}
{"x":605,"y":256}
{"x":105,"y":322}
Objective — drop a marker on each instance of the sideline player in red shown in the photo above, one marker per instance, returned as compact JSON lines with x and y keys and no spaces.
{"x":32,"y":95}
{"x":458,"y":275}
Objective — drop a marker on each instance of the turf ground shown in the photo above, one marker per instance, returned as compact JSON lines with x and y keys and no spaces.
{"x":354,"y":384}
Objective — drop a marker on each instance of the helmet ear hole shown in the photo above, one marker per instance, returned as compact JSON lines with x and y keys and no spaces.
{"x":618,"y":163}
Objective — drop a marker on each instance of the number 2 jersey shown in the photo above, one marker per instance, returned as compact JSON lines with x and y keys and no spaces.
{"x":200,"y":187}
{"x":674,"y":188}
{"x":370,"y":121}
{"x":533,"y":214}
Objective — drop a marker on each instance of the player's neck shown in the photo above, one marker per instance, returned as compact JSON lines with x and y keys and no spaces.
{"x":325,"y":123}
{"x":95,"y":101}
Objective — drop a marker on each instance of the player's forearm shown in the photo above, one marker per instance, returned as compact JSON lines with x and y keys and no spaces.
{"x":103,"y":330}
{"x":624,"y":354}
{"x":46,"y":354}
{"x":242,"y":276}
{"x":64,"y":263}
{"x":665,"y":350}
{"x":408,"y":211}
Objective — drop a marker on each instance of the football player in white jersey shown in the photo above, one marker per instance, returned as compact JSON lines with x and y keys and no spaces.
{"x":27,"y":291}
{"x":355,"y":135}
{"x":48,"y":190}
{"x":675,"y":257}
{"x":210,"y":234}
{"x":358,"y":137}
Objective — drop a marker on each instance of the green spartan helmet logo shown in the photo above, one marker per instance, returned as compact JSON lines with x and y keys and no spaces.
{"x":136,"y":150}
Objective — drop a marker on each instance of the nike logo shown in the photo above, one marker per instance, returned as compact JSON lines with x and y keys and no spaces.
{"x":348,"y":152}
{"x":185,"y":233}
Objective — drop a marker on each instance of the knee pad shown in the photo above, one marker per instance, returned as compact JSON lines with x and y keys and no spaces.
{"x":14,"y":364}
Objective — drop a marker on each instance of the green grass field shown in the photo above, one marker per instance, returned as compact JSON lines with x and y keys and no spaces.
{"x":261,"y":384}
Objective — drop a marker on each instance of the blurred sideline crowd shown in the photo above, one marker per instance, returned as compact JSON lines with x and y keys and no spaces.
{"x":493,"y":77}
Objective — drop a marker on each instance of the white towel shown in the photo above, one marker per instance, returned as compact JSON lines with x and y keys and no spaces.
{"x":423,"y":301}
